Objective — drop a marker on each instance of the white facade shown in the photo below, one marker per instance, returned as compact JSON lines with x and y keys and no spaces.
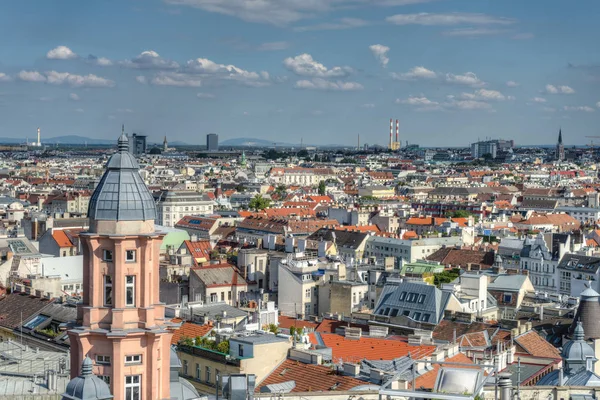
{"x":172,"y":206}
{"x":407,"y":250}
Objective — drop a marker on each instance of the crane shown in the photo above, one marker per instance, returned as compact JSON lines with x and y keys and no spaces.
{"x":592,"y":141}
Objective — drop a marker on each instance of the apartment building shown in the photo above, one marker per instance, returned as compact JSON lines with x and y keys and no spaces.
{"x":172,"y":206}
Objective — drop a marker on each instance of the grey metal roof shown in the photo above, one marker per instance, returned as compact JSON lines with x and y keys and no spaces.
{"x":259,"y":339}
{"x":121,"y":194}
{"x":283,"y":387}
{"x":507,"y":282}
{"x":411,"y":297}
{"x":87,"y":386}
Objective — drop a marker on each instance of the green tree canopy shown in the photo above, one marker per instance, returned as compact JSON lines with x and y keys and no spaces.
{"x":259,"y":203}
{"x":322,"y":188}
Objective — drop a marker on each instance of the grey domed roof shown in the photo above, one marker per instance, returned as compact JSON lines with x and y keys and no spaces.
{"x":183,"y":390}
{"x":121,"y":194}
{"x":87,"y":386}
{"x":577,"y":351}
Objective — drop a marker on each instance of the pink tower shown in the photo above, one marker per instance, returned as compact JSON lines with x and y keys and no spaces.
{"x":121,"y":323}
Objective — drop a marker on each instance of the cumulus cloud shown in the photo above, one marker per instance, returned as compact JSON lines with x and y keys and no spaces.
{"x":273,"y":46}
{"x":417,"y":101}
{"x":552,"y":89}
{"x":176,"y":79}
{"x":470,"y":105}
{"x":324,"y":84}
{"x":342,"y":23}
{"x":74,"y":97}
{"x":422,"y":103}
{"x":448,"y":19}
{"x":101,"y":61}
{"x":486,"y":95}
{"x":141,"y":79}
{"x":4,"y":77}
{"x":512,"y":84}
{"x":149,"y":59}
{"x":579,"y":108}
{"x":468,"y":78}
{"x":380,"y":52}
{"x":61,"y":53}
{"x":205,"y":95}
{"x":210,"y":69}
{"x":31,"y":76}
{"x":305,"y":65}
{"x":538,"y":100}
{"x":90,"y":80}
{"x":415,"y":73}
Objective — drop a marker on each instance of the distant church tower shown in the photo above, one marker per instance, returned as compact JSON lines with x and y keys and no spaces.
{"x":560,"y":148}
{"x":165,"y":145}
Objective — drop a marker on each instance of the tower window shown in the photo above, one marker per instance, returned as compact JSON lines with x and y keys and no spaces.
{"x":107,"y":255}
{"x":130,"y":290}
{"x":133,"y":359}
{"x":133,"y":386}
{"x":108,"y":290}
{"x":130,"y":255}
{"x":102,"y":359}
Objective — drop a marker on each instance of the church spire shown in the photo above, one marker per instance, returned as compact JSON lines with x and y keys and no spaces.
{"x":560,"y":136}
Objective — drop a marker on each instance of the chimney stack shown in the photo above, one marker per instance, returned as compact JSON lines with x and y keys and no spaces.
{"x":397,"y":130}
{"x":391,"y":131}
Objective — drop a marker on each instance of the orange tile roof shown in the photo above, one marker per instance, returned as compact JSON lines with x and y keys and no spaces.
{"x":532,"y":343}
{"x":61,"y":239}
{"x":310,"y":378}
{"x":410,"y":235}
{"x":427,"y":380}
{"x":370,"y":348}
{"x":190,"y":330}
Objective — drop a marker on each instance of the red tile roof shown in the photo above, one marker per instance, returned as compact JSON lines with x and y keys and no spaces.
{"x":189,"y":330}
{"x":370,"y":348}
{"x":532,"y":343}
{"x":310,"y":378}
{"x":288,"y":322}
{"x":61,"y":239}
{"x":199,"y":249}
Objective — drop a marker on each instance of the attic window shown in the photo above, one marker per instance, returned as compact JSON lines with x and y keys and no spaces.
{"x":421,"y":299}
{"x":402,"y":296}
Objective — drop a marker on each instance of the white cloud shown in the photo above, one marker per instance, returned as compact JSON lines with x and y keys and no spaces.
{"x":417,"y":101}
{"x":415,"y":73}
{"x":304,"y":65}
{"x":205,"y":95}
{"x":79,"y":110}
{"x":470,"y":105}
{"x":323,"y":84}
{"x":90,"y":80}
{"x":31,"y":76}
{"x":380,"y":52}
{"x":61,"y":53}
{"x":486,"y":95}
{"x":273,"y":46}
{"x":149,"y":59}
{"x":538,"y":100}
{"x":598,"y":104}
{"x":447,"y":19}
{"x":209,"y":69}
{"x":468,"y":78}
{"x":283,"y":12}
{"x":552,"y":89}
{"x":342,"y":23}
{"x":579,"y":108}
{"x":74,"y":97}
{"x":473,"y":32}
{"x":4,"y":77}
{"x":512,"y":84}
{"x":176,"y":79}
{"x":368,"y":105}
{"x":141,"y":79}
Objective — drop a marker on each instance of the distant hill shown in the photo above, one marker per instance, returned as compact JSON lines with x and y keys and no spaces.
{"x":252,"y":142}
{"x":78,"y":140}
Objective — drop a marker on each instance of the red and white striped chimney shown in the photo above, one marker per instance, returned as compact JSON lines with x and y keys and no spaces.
{"x":391,"y":131}
{"x":397,"y":130}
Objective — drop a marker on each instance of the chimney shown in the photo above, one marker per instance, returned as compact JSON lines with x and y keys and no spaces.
{"x":289,"y":244}
{"x":351,"y":369}
{"x":505,"y":385}
{"x":391,"y":131}
{"x":322,"y":249}
{"x":397,"y":130}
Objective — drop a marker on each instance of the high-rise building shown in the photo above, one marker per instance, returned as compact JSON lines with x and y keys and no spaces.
{"x":480,"y":149}
{"x":138,"y":144}
{"x":560,"y":148}
{"x":212,"y":142}
{"x":121,"y":322}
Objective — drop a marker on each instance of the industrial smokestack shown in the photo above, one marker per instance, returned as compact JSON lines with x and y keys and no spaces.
{"x":39,"y":141}
{"x":391,"y":131}
{"x":397,"y":131}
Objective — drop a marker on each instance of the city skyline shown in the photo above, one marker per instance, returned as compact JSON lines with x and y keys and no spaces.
{"x":451,"y":71}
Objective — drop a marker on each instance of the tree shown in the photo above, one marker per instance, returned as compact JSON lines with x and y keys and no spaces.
{"x":446,"y":276}
{"x":302,"y":154}
{"x":487,"y":156}
{"x":186,"y":341}
{"x":280,"y":190}
{"x":292,"y":331}
{"x":322,"y":188}
{"x":223,"y":347}
{"x":459,"y":214}
{"x":240,"y":188}
{"x":259,"y":203}
{"x":348,"y":160}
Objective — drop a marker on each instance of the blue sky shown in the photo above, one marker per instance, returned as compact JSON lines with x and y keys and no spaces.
{"x":451,"y":71}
